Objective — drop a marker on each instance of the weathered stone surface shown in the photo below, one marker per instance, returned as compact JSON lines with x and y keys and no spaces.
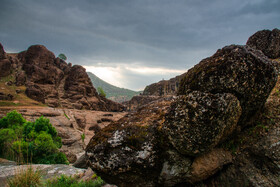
{"x":81,"y":162}
{"x":267,"y":41}
{"x":199,"y":121}
{"x":36,"y":93}
{"x":20,"y":79}
{"x":5,"y":67}
{"x":176,"y":169}
{"x":164,"y":87}
{"x":240,"y":70}
{"x":128,"y":151}
{"x":140,"y":100}
{"x":208,"y":164}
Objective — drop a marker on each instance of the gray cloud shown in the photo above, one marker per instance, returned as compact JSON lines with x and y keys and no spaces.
{"x":159,"y":33}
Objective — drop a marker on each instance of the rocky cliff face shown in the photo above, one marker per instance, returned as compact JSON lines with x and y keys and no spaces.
{"x":52,"y":81}
{"x":184,"y":139}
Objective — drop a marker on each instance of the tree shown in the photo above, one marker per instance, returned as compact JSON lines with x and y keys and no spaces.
{"x":101,"y":92}
{"x":62,"y":56}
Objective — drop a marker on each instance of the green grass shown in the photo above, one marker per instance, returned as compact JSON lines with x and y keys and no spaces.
{"x":73,"y":181}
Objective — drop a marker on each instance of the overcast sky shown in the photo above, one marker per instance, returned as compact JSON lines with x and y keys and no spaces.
{"x":133,"y":43}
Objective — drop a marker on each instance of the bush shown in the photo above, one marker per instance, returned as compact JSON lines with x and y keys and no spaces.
{"x":25,"y":141}
{"x":101,"y":92}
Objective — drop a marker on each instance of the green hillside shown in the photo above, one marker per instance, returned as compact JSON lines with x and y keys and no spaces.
{"x":112,"y":92}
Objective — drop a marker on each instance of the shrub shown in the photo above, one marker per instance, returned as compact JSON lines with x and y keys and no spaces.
{"x":101,"y":92}
{"x":26,"y":141}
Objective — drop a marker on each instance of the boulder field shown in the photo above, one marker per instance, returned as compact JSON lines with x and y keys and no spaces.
{"x":186,"y":139}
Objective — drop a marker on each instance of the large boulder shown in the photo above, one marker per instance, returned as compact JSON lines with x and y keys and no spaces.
{"x":128,"y":152}
{"x":267,"y":41}
{"x":35,"y":92}
{"x":199,"y":121}
{"x":240,"y":70}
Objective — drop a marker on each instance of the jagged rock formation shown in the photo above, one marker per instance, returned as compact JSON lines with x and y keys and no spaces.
{"x":169,"y":141}
{"x":267,"y":41}
{"x":164,"y":87}
{"x":53,"y":82}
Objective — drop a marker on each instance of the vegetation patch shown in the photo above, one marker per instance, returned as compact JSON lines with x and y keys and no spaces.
{"x":30,"y":142}
{"x":26,"y":178}
{"x":73,"y":181}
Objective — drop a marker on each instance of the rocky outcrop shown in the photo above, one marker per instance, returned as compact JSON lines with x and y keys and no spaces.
{"x":164,"y":87}
{"x":175,"y":140}
{"x":5,"y":64}
{"x":53,"y":82}
{"x":267,"y":41}
{"x":139,"y":100}
{"x":240,"y":70}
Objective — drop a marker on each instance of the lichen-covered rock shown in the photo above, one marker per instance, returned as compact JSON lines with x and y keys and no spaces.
{"x":240,"y":70}
{"x":267,"y":41}
{"x":127,"y":153}
{"x":176,"y":169}
{"x":198,"y":121}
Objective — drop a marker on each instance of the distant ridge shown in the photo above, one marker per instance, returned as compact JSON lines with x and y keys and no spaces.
{"x":112,"y":92}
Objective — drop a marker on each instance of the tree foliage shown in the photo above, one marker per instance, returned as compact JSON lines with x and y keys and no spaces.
{"x":25,"y":141}
{"x":101,"y":92}
{"x":62,"y":56}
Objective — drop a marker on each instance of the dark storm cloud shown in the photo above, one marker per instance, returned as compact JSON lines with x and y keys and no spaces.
{"x":154,"y":33}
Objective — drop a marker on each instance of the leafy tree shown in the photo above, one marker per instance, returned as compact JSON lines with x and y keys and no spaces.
{"x":62,"y":56}
{"x":101,"y":92}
